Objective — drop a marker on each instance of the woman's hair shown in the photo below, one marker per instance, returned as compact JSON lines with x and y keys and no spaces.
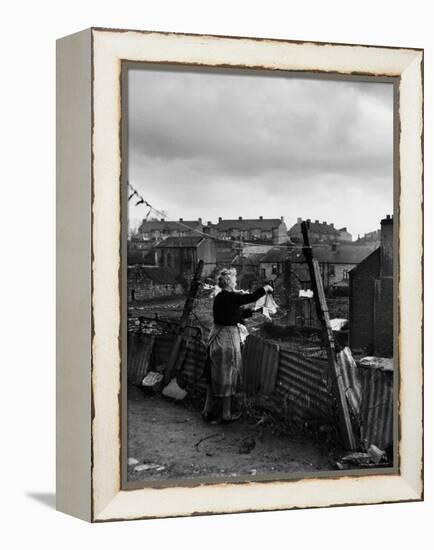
{"x":226,"y":277}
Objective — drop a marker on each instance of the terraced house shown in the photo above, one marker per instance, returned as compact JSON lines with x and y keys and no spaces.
{"x":260,"y":230}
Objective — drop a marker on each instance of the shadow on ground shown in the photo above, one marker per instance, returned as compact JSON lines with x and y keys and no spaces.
{"x":47,"y":499}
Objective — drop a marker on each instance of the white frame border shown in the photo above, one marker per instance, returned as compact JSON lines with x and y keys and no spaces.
{"x":109,"y":47}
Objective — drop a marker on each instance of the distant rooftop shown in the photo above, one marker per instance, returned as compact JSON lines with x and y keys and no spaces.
{"x":181,"y":242}
{"x":159,"y":275}
{"x":249,"y":224}
{"x":161,"y":225}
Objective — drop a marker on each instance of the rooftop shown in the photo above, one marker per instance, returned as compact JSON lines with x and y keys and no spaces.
{"x":181,"y":242}
{"x":316,"y":227}
{"x":248,"y":224}
{"x":159,"y":275}
{"x":165,"y":225}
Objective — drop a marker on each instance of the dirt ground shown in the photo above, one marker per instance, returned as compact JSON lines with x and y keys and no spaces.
{"x":171,"y":440}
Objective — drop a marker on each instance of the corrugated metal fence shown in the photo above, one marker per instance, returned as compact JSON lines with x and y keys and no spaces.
{"x":298,"y":386}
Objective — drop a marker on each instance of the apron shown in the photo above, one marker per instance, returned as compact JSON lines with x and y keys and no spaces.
{"x":224,"y":364}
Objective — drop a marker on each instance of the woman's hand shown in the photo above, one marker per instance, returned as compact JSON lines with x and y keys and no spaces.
{"x":268,"y":288}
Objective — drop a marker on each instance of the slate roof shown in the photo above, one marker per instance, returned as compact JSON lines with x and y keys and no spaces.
{"x":249,"y":224}
{"x":322,"y":228}
{"x":158,"y":275}
{"x":344,"y":253}
{"x":180,"y":242}
{"x":275,"y":255}
{"x":152,"y":225}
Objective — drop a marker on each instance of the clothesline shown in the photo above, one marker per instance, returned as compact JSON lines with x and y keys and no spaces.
{"x":163,"y":214}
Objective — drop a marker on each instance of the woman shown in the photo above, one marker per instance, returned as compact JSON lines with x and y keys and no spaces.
{"x":224,"y":346}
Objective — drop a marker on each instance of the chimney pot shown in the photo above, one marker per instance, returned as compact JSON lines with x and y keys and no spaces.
{"x":209,"y":223}
{"x":240,"y":217}
{"x":332,"y":225}
{"x":316,"y":221}
{"x":386,"y":246}
{"x":261,"y":218}
{"x":162,"y":220}
{"x":220,"y":219}
{"x":299,"y":220}
{"x":181,"y":220}
{"x":308,"y":220}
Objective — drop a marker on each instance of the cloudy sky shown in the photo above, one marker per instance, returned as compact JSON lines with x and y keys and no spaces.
{"x":207,"y":144}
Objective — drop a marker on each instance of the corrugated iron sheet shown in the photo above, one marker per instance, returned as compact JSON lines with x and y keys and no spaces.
{"x":376,"y":412}
{"x":298,"y":385}
{"x":260,"y":366}
{"x":194,"y":364}
{"x":351,"y":380}
{"x":303,"y":384}
{"x":139,"y":356}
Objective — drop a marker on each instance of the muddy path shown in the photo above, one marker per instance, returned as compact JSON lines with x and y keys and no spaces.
{"x":172,"y":441}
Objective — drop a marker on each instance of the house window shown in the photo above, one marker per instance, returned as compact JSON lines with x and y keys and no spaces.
{"x":332,"y":271}
{"x":263,"y":273}
{"x":274,"y":269}
{"x":346,"y":274}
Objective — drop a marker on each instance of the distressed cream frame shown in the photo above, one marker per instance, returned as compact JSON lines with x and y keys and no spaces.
{"x":88,"y":273}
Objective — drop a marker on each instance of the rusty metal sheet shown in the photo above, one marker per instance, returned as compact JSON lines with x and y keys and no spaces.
{"x":194,"y":364}
{"x":140,"y":347}
{"x":303,"y":385}
{"x":376,"y":412}
{"x":260,"y":366}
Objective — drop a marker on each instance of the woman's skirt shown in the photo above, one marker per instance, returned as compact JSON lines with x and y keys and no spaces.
{"x":224,"y":363}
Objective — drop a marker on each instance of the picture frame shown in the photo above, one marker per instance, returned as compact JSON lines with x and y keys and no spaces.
{"x":89,"y":272}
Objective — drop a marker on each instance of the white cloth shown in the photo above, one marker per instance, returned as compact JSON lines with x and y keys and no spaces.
{"x":268,"y":305}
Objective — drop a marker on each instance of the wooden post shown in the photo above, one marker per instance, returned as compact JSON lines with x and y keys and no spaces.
{"x":323,"y":315}
{"x":188,"y":307}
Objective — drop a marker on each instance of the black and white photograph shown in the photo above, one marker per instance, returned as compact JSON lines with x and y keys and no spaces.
{"x":258,"y":275}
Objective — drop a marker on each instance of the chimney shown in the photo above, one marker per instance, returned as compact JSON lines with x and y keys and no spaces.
{"x":181,"y":220}
{"x":261,"y":218}
{"x":240,"y":218}
{"x":162,"y":220}
{"x":209,"y":224}
{"x":220,"y":220}
{"x":324,"y":223}
{"x":299,"y":220}
{"x":308,"y":220}
{"x":332,"y":225}
{"x":386,"y":247}
{"x":282,"y":219}
{"x":199,"y":220}
{"x":316,"y":221}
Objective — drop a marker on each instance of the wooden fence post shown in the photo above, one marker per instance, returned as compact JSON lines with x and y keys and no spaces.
{"x":188,"y":307}
{"x":323,"y":316}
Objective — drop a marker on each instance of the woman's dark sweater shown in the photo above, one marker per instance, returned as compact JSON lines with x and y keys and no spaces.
{"x":226,"y":309}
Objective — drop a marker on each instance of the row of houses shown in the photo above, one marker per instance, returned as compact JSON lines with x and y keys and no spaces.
{"x":258,"y":230}
{"x":363,"y":270}
{"x":254,"y":262}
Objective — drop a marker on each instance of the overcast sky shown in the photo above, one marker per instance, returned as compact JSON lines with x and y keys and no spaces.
{"x":207,"y":144}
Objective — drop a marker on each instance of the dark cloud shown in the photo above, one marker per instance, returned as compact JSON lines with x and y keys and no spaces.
{"x":209,"y":144}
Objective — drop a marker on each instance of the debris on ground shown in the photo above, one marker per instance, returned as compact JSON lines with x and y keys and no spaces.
{"x":152,"y":380}
{"x":174,"y":390}
{"x":212,"y":436}
{"x":143,"y":467}
{"x":373,"y":457}
{"x":376,"y":454}
{"x":280,"y":446}
{"x":247,"y":445}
